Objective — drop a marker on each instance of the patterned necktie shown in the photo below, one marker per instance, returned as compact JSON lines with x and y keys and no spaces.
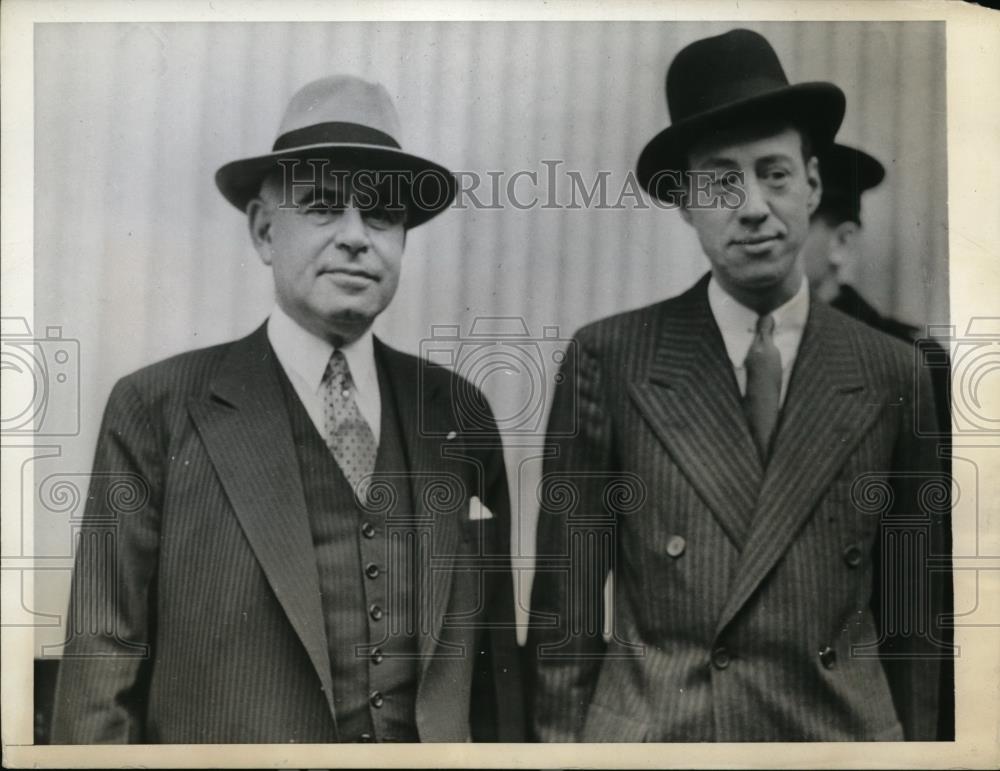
{"x":348,"y":434}
{"x":763,"y":397}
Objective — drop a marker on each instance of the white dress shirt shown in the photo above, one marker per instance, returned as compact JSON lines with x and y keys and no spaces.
{"x":304,"y":357}
{"x":738,"y":325}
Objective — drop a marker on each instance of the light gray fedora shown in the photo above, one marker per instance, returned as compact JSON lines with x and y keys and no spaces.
{"x":351,"y":122}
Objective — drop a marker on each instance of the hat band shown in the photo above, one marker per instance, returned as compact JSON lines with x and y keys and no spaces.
{"x":333,"y":132}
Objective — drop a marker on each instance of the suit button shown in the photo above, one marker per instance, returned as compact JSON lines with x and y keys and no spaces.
{"x":368,"y":530}
{"x":376,"y":699}
{"x":852,"y":555}
{"x":375,"y":611}
{"x":377,"y":656}
{"x":371,"y":570}
{"x":720,"y":657}
{"x":676,"y":545}
{"x":365,"y":737}
{"x":828,"y":657}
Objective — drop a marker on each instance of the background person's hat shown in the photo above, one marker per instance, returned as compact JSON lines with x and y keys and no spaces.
{"x":354,"y":123}
{"x":725,"y":81}
{"x":847,"y":173}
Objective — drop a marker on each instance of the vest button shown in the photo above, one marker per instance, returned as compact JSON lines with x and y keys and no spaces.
{"x":852,"y":555}
{"x":376,"y":699}
{"x":368,"y":530}
{"x":371,"y":570}
{"x":377,"y":656}
{"x":375,"y":611}
{"x":676,"y":545}
{"x":720,"y":657}
{"x":828,"y":657}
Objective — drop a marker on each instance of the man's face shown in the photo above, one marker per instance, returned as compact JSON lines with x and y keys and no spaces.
{"x":754,"y":249}
{"x":829,"y":247}
{"x":336,"y":266}
{"x":816,"y":252}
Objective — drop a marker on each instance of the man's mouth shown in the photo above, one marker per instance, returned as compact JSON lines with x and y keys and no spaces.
{"x":757,"y":239}
{"x":351,"y":274}
{"x":757,"y":244}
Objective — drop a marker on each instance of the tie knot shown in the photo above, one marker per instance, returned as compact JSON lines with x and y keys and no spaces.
{"x":765,"y":325}
{"x":337,"y":373}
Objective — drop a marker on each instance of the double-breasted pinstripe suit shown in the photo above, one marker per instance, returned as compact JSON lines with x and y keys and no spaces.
{"x":792,"y":601}
{"x":205,"y":623}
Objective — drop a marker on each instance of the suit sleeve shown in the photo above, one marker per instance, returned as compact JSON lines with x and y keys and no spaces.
{"x":565,"y":641}
{"x":913,"y":570}
{"x":103,"y":676}
{"x":497,"y":704}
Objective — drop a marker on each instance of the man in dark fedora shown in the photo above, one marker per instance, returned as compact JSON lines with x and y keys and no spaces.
{"x":743,"y":461}
{"x":309,"y":554}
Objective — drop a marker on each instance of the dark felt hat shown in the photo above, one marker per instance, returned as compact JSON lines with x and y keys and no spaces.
{"x":725,"y":81}
{"x":354,"y":123}
{"x":847,"y":173}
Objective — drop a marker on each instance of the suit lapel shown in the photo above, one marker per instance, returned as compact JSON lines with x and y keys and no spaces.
{"x":246,"y":430}
{"x":424,"y":415}
{"x":689,"y":398}
{"x":828,"y":408}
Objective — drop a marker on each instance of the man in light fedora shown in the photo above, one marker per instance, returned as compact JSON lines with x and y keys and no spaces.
{"x":774,"y":561}
{"x":309,"y":554}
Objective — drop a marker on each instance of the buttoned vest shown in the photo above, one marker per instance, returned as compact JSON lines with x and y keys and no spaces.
{"x":368,"y":577}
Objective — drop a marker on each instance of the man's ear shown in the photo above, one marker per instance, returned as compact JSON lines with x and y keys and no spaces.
{"x":815,"y":184}
{"x":259,"y":215}
{"x":845,"y":239}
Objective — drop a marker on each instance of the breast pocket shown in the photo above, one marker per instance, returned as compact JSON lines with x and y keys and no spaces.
{"x":480,"y":536}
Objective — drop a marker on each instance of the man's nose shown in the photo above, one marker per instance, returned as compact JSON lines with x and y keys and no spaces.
{"x":755,"y":207}
{"x":352,"y":233}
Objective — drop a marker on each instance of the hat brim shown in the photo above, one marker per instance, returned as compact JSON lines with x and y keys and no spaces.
{"x":816,"y":107}
{"x":240,"y":181}
{"x":861,"y":169}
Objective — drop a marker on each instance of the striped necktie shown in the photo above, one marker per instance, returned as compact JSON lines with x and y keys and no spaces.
{"x":763,"y":397}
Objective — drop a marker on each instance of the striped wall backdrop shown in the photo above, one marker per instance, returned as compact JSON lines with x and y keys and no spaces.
{"x":138,"y":257}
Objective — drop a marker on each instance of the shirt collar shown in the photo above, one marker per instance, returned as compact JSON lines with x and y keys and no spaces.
{"x":307,"y":355}
{"x":738,"y":324}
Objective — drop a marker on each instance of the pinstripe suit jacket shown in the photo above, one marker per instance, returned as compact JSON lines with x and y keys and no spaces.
{"x":210,"y":625}
{"x":792,"y":602}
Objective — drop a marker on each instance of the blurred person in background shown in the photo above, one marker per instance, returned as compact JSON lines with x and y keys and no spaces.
{"x":833,"y":247}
